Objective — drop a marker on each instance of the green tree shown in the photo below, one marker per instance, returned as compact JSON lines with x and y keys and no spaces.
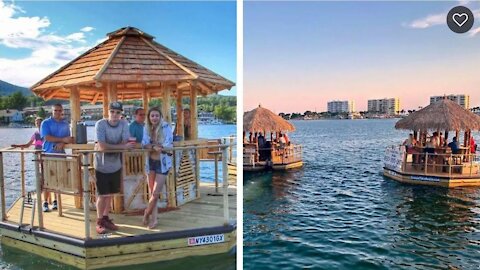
{"x":16,"y":101}
{"x":42,"y":113}
{"x":225,"y":113}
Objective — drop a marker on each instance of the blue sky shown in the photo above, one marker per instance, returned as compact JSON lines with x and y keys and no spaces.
{"x":39,"y":37}
{"x":322,"y":51}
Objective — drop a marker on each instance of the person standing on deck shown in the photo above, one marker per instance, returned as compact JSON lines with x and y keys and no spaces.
{"x":156,"y":135}
{"x":112,"y":134}
{"x":55,"y":133}
{"x":136,"y":127}
{"x":36,"y":138}
{"x":473,"y":145}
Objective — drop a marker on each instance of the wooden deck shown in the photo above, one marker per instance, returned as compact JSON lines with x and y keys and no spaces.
{"x":201,"y":213}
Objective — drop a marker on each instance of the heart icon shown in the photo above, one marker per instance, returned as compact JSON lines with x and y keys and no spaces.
{"x":458,"y":18}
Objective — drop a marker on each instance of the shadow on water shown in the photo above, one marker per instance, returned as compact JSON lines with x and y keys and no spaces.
{"x":17,"y":259}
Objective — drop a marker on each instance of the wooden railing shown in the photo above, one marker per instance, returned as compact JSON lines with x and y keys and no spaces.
{"x":71,"y":174}
{"x":451,"y":164}
{"x":279,"y":155}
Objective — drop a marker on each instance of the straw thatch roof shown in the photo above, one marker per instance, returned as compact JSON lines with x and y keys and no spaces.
{"x":133,"y":62}
{"x":442,"y":115}
{"x":261,"y":119}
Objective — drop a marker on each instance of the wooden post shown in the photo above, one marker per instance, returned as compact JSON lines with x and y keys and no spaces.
{"x":167,"y":115}
{"x":2,"y":189}
{"x":193,"y":114}
{"x":38,"y":190}
{"x":105,"y":103}
{"x":86,"y":195}
{"x":426,"y":159}
{"x":22,"y":164}
{"x":226,"y":216}
{"x":197,"y":171}
{"x":74,"y":109}
{"x":173,"y":203}
{"x":145,"y":100}
{"x":180,"y":120}
{"x":74,"y":118}
{"x":117,"y":199}
{"x":230,"y":149}
{"x":112,"y":92}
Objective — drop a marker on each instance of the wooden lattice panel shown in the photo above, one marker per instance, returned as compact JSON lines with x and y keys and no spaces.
{"x":186,"y":184}
{"x":134,"y":164}
{"x":62,"y":175}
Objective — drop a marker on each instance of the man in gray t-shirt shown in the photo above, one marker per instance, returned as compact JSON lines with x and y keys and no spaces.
{"x":112,"y":134}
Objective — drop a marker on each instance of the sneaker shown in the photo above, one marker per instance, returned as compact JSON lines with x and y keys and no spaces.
{"x":100,"y":227}
{"x":54,"y":205}
{"x":45,"y":207}
{"x":108,"y":223}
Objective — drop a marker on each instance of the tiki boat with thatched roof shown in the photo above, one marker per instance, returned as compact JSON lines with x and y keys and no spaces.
{"x":129,"y":65}
{"x":267,"y":146}
{"x":435,"y":159}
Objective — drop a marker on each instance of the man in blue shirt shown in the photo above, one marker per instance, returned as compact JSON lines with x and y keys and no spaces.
{"x":55,"y":133}
{"x":454,"y":146}
{"x":136,"y":127}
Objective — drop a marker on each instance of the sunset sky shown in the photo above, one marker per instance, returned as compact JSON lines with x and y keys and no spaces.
{"x":298,"y":56}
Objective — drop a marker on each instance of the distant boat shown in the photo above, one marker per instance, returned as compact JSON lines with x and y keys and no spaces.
{"x":19,"y":125}
{"x":89,"y":123}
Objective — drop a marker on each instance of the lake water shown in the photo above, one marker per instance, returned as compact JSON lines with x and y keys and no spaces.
{"x":15,"y":259}
{"x":339,"y":212}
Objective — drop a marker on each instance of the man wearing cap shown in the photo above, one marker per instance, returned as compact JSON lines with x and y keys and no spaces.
{"x":55,"y":133}
{"x":136,"y":127}
{"x":112,"y":134}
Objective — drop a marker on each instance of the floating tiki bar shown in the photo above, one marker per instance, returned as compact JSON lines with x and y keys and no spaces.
{"x":270,"y":153}
{"x":438,"y":166}
{"x":129,"y":65}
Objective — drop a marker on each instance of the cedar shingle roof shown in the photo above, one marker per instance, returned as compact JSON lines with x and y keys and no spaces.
{"x":133,"y":61}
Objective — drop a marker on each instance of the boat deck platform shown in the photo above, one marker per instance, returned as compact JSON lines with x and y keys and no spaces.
{"x":196,"y":228}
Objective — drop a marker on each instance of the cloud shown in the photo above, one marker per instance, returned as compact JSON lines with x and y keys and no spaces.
{"x":429,"y":21}
{"x":438,"y":19}
{"x":49,"y":51}
{"x":474,"y":32}
{"x":87,"y":29}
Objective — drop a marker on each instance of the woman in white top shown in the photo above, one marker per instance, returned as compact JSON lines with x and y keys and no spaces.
{"x":157,"y":134}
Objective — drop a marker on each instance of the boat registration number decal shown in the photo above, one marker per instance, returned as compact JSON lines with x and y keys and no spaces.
{"x":206,"y":240}
{"x":424,"y":178}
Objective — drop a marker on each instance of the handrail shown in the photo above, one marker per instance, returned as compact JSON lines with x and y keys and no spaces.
{"x":448,"y":163}
{"x":84,"y":174}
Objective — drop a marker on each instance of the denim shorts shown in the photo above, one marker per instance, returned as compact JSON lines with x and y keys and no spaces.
{"x":156,"y":166}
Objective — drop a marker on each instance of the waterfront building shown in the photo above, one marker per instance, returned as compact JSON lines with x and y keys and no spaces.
{"x":462,"y":100}
{"x":9,"y":116}
{"x":337,"y":106}
{"x":390,"y":106}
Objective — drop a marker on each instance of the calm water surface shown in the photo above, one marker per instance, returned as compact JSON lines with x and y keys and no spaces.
{"x":16,"y":259}
{"x":339,"y":212}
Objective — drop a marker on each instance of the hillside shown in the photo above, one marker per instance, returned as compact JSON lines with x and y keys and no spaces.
{"x":8,"y":88}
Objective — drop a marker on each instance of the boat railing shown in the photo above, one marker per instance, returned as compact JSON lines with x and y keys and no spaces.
{"x":279,"y":154}
{"x":291,"y":153}
{"x":466,"y":163}
{"x":72,"y":175}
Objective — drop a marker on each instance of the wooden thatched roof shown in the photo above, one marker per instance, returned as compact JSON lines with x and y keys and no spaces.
{"x":261,"y":119}
{"x":442,"y":115}
{"x":132,"y":61}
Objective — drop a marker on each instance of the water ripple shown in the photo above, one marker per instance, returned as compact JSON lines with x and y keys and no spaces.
{"x":339,"y":212}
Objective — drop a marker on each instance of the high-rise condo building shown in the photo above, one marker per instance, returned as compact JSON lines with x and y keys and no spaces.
{"x":462,"y":100}
{"x":389,"y":106}
{"x":337,"y":106}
